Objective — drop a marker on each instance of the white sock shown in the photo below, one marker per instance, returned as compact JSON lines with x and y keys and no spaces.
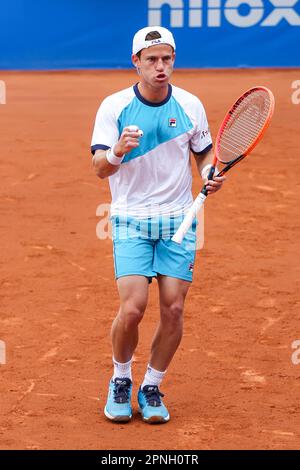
{"x":122,"y":370}
{"x":153,"y":377}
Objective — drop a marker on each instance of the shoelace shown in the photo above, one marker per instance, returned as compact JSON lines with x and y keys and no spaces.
{"x":152,"y":395}
{"x":121,"y":392}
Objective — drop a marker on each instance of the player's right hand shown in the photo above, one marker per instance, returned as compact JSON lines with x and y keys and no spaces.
{"x":129,"y":140}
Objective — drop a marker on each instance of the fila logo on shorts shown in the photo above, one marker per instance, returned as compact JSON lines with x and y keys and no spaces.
{"x":172,"y":122}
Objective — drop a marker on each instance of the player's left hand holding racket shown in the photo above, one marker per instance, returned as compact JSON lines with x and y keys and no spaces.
{"x":241,"y":130}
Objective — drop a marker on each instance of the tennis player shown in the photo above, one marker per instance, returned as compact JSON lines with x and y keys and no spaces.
{"x":142,"y":140}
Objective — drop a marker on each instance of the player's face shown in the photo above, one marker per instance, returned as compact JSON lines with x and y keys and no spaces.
{"x":156,"y":65}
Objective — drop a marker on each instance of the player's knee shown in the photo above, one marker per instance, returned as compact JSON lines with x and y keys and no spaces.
{"x":131,"y":315}
{"x":172,"y":315}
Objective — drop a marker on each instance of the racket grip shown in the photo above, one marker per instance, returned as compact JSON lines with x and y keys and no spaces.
{"x":188,"y":219}
{"x":209,"y":177}
{"x":211,"y":173}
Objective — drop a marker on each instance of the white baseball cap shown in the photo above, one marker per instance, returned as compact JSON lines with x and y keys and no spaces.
{"x":139,"y":40}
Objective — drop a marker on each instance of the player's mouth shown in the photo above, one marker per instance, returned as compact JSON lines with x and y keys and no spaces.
{"x":161,"y":77}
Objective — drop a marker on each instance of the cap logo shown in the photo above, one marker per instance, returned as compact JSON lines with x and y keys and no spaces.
{"x":156,"y":41}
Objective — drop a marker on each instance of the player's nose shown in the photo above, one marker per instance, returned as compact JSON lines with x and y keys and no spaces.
{"x":160,"y":65}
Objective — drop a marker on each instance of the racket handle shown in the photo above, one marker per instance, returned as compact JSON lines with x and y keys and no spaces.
{"x":211,"y":173}
{"x":209,"y":177}
{"x":188,"y":220}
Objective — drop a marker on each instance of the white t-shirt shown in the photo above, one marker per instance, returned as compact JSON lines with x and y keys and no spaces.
{"x":155,"y":178}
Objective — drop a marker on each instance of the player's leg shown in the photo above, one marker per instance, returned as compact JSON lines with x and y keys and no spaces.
{"x":174,"y":266}
{"x":133,"y":293}
{"x":133,"y":257}
{"x":133,"y":267}
{"x":172,"y":294}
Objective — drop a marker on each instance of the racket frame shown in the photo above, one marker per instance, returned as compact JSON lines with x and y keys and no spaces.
{"x":229,"y":165}
{"x":199,"y":201}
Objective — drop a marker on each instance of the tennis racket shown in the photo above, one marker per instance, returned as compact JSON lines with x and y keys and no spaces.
{"x":243,"y":127}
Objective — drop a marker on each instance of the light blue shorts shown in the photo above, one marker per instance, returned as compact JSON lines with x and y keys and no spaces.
{"x":144,"y":247}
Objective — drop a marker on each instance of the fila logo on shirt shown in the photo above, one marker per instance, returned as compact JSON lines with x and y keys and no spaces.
{"x":172,"y":122}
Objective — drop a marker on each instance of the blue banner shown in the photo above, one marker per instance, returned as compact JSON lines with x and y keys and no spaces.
{"x":91,"y":34}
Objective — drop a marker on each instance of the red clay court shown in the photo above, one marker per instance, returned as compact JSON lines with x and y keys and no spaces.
{"x":232,"y":384}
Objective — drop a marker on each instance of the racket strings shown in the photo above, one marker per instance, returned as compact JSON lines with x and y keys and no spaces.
{"x":245,"y":122}
{"x":240,"y":136}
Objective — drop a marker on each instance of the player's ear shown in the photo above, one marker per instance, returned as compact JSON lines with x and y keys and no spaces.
{"x":135,"y":60}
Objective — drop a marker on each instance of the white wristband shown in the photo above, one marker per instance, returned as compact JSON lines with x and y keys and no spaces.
{"x":205,"y":171}
{"x":112,"y":158}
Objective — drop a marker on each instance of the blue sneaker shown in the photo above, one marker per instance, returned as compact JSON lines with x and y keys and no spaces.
{"x":151,"y":407}
{"x":118,"y":405}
